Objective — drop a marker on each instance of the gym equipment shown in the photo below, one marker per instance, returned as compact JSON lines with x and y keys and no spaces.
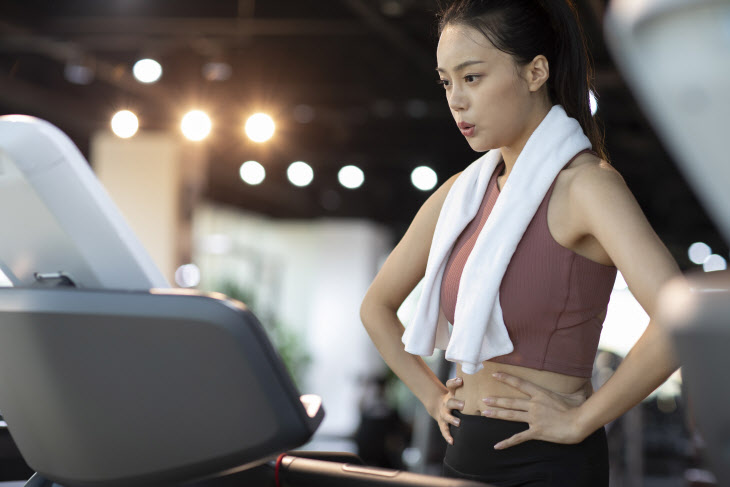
{"x":110,"y":378}
{"x":675,"y":54}
{"x":60,"y":217}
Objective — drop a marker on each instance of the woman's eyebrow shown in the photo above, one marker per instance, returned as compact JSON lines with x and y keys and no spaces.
{"x":460,"y":66}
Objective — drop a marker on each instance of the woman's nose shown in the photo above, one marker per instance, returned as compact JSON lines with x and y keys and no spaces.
{"x":457,"y":100}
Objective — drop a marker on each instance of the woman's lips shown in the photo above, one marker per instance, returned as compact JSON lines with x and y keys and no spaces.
{"x":467,"y":131}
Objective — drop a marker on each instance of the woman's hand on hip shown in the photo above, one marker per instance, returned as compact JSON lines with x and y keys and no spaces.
{"x":445,"y":403}
{"x":551,"y":415}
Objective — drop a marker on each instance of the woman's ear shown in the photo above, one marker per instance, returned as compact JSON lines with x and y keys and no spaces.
{"x":537,"y":72}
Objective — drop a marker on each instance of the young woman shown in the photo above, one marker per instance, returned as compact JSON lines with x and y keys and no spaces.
{"x":522,"y":418}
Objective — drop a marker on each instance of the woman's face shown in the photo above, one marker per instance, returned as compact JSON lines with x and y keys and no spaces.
{"x":486,"y":93}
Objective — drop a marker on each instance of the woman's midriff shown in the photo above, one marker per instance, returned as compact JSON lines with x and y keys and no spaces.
{"x":481,"y":385}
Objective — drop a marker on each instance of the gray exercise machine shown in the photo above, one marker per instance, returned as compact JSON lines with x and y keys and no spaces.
{"x":110,"y":378}
{"x":675,"y":55}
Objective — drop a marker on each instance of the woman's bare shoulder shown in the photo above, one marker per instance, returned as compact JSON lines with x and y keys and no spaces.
{"x":587,"y":171}
{"x":589,"y":165}
{"x":607,"y":210}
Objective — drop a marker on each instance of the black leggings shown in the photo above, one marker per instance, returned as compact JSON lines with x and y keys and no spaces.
{"x":533,"y":463}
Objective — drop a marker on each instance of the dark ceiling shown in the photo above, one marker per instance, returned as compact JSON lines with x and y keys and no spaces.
{"x":362,"y":69}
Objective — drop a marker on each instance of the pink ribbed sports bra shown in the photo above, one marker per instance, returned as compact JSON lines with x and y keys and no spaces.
{"x":550,"y":296}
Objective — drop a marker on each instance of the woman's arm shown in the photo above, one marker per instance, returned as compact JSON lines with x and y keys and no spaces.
{"x":604,"y":208}
{"x":611,"y":214}
{"x":400,"y":273}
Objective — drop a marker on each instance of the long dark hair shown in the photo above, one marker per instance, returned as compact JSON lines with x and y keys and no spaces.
{"x":527,"y":28}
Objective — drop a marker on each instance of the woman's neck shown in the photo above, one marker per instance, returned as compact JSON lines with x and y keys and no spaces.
{"x":511,"y":152}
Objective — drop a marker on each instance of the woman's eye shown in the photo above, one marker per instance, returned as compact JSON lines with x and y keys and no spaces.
{"x":442,"y":82}
{"x":470,"y":77}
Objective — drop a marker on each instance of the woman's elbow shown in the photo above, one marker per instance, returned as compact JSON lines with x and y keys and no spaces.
{"x":371,"y":308}
{"x":366,"y":309}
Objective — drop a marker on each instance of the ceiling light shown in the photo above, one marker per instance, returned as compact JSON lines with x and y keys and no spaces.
{"x":187,"y":275}
{"x":699,"y":252}
{"x":300,"y":173}
{"x":424,"y":178}
{"x":714,"y":263}
{"x":252,"y":172}
{"x":260,"y":127}
{"x":125,"y":124}
{"x":196,"y":125}
{"x":147,"y":70}
{"x":351,"y":177}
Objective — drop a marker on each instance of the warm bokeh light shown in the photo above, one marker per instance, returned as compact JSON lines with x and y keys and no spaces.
{"x":699,"y":252}
{"x":351,"y":177}
{"x":300,"y":173}
{"x":260,"y":127}
{"x":196,"y":125}
{"x":187,"y":275}
{"x":147,"y":70}
{"x":124,"y":124}
{"x":252,"y":172}
{"x":424,"y":178}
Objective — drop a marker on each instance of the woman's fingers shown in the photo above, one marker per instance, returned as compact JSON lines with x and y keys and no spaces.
{"x":508,"y":403}
{"x":445,"y":432}
{"x":449,"y":418}
{"x":446,"y":418}
{"x":514,"y":440}
{"x":453,"y":403}
{"x":453,"y":384}
{"x":520,"y":384}
{"x":507,"y":414}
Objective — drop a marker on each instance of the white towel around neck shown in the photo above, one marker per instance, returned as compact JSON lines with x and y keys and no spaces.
{"x":479,"y":332}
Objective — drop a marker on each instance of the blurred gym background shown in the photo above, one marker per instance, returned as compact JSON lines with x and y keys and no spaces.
{"x":276,"y":151}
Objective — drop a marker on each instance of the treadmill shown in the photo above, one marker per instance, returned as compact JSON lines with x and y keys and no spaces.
{"x":108,"y":377}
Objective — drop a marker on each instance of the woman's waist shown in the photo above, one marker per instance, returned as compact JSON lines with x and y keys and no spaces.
{"x":478,"y":386}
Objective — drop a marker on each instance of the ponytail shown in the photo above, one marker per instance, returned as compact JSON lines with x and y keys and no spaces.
{"x":571,"y":70}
